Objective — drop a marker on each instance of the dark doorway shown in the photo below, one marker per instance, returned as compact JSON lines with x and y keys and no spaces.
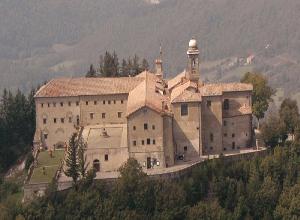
{"x":148,"y":162}
{"x":96,"y":165}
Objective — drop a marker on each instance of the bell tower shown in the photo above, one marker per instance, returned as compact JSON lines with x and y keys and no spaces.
{"x":158,"y":65}
{"x":193,"y":72}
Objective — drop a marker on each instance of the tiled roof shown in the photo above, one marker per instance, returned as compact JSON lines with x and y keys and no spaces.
{"x":220,"y":88}
{"x":176,"y":80}
{"x":188,"y":96}
{"x":178,"y":90}
{"x":146,"y":95}
{"x":64,"y":87}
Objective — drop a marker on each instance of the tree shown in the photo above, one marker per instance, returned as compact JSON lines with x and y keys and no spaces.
{"x":262,"y":93}
{"x":109,"y":65}
{"x":289,"y":114}
{"x":130,"y":186}
{"x":82,"y":158}
{"x":92,"y":72}
{"x":272,"y":131}
{"x":72,"y":166}
{"x":145,"y":65}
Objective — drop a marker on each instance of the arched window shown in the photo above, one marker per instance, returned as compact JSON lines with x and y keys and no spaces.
{"x":96,"y":165}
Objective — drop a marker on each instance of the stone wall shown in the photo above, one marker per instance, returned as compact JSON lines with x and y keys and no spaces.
{"x":146,"y":142}
{"x":186,"y":130}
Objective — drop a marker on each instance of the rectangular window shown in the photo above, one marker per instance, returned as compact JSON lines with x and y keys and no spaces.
{"x":134,"y":143}
{"x":233,"y":145}
{"x":77,"y":103}
{"x":87,"y":103}
{"x":119,"y":114}
{"x":225,"y":123}
{"x":153,"y":127}
{"x":45,"y":121}
{"x":114,"y":101}
{"x":122,"y":101}
{"x":226,"y":104}
{"x":45,"y":136}
{"x":134,"y":128}
{"x":145,"y":126}
{"x":211,"y":137}
{"x":91,"y":115}
{"x":61,"y":104}
{"x":62,"y":120}
{"x":233,"y":135}
{"x":143,"y":142}
{"x":106,"y":157}
{"x":54,"y":120}
{"x":48,"y":105}
{"x":108,"y":102}
{"x":103,"y":102}
{"x":70,"y":119}
{"x":95,"y":102}
{"x":208,"y":103}
{"x":148,"y":141}
{"x":185,"y":148}
{"x":69,"y":103}
{"x":184,"y":110}
{"x":153,"y":142}
{"x":103,"y":115}
{"x":42,"y":105}
{"x":77,"y":120}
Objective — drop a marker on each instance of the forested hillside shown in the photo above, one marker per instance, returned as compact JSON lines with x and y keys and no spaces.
{"x":261,"y":188}
{"x":43,"y":39}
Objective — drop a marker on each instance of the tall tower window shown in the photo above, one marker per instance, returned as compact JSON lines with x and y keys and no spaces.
{"x":226,"y":104}
{"x":184,"y":110}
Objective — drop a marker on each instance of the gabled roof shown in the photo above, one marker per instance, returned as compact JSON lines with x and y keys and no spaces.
{"x":176,"y":80}
{"x":178,"y":90}
{"x":188,"y":96}
{"x":64,"y":87}
{"x":220,"y":88}
{"x":147,"y":95}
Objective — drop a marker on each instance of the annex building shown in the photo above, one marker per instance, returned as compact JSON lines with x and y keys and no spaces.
{"x":155,"y":120}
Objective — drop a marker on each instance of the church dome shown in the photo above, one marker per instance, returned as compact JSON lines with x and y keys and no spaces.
{"x":193,"y":43}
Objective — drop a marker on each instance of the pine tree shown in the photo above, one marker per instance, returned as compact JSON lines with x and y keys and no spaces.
{"x":82,"y":165}
{"x":145,"y":65}
{"x":124,"y":68}
{"x":92,"y":72}
{"x":136,"y":65}
{"x":72,"y":166}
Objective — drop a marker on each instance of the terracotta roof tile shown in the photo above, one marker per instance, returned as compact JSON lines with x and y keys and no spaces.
{"x":176,"y":80}
{"x":178,"y":90}
{"x":146,"y":95}
{"x":64,"y":87}
{"x":188,"y":96}
{"x":220,"y":88}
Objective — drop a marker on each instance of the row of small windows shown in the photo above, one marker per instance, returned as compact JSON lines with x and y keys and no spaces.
{"x":87,"y":103}
{"x":103,"y":115}
{"x":145,"y":127}
{"x":62,"y":120}
{"x":233,"y":147}
{"x":148,"y":142}
{"x":211,"y":136}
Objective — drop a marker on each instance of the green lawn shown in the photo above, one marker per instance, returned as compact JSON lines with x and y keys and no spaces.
{"x":51,"y":165}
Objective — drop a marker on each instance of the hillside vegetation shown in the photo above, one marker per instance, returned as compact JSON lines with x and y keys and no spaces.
{"x":43,"y":39}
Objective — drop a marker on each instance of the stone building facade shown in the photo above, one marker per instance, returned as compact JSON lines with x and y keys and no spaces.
{"x":154,"y":120}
